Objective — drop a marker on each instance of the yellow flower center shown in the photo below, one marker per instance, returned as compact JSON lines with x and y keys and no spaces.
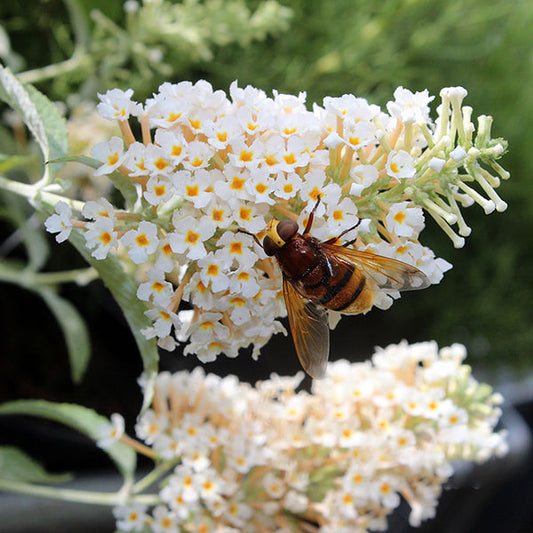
{"x":289,"y":159}
{"x":237,"y":183}
{"x":105,"y":238}
{"x":212,"y":270}
{"x":400,"y":216}
{"x":246,"y":156}
{"x":191,"y":190}
{"x":142,"y":240}
{"x":235,"y":248}
{"x":176,"y":150}
{"x":159,"y":190}
{"x":192,"y":237}
{"x":160,"y":163}
{"x":173,"y":117}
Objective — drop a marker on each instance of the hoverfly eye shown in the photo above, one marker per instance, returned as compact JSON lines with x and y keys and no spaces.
{"x":287,"y":229}
{"x":269,"y":246}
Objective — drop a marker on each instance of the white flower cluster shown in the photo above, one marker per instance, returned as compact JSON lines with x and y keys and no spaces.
{"x":267,"y":458}
{"x":209,"y":166}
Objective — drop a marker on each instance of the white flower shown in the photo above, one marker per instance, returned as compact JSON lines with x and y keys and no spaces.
{"x":212,"y":273}
{"x":150,"y":426}
{"x":60,"y":222}
{"x":164,"y":520}
{"x":246,"y":156}
{"x":235,"y":249}
{"x":132,"y":517}
{"x":400,"y":165}
{"x":157,"y":161}
{"x":274,"y":487}
{"x":156,"y":289}
{"x":250,"y":217}
{"x":363,"y":176}
{"x":458,"y":153}
{"x":158,"y":189}
{"x":163,"y":321}
{"x":173,"y":145}
{"x":405,"y":221}
{"x":198,"y":155}
{"x":110,"y":433}
{"x":142,"y":242}
{"x":409,"y":106}
{"x":197,"y":187}
{"x":111,"y":153}
{"x":341,"y":216}
{"x":358,"y":133}
{"x":135,"y":160}
{"x":101,"y":236}
{"x":190,"y":235}
{"x":95,"y":209}
{"x":287,"y":185}
{"x":116,"y":104}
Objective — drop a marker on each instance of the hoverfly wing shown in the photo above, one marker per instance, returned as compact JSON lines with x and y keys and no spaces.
{"x":384,"y":272}
{"x":310,"y":330}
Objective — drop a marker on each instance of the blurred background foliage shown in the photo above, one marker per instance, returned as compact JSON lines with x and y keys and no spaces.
{"x":72,"y":49}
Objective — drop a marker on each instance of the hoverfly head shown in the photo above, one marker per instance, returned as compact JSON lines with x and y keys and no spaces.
{"x":277,"y":234}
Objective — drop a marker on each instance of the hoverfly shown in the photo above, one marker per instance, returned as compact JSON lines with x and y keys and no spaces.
{"x":322,"y":275}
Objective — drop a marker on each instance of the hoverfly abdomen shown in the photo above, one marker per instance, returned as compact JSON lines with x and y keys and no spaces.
{"x":341,"y":287}
{"x":356,"y":296}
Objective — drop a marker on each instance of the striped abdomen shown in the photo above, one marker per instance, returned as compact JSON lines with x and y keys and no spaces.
{"x":329,"y":281}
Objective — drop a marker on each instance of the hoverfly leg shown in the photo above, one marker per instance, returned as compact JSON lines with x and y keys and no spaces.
{"x":334,"y":239}
{"x":311,"y":216}
{"x":349,"y":243}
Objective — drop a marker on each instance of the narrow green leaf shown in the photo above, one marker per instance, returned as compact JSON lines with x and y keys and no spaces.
{"x":123,"y":184}
{"x":17,"y":465}
{"x":73,"y":328}
{"x":80,"y":418}
{"x":29,"y":229}
{"x":124,"y":291}
{"x":9,"y":162}
{"x":39,"y":114}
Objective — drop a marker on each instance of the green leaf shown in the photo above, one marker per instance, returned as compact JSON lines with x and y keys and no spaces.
{"x":70,"y":321}
{"x":80,"y":418}
{"x":9,"y":162}
{"x":124,"y":185}
{"x":29,"y":229}
{"x":39,"y":114}
{"x":17,"y":465}
{"x":124,"y":290}
{"x":74,"y":330}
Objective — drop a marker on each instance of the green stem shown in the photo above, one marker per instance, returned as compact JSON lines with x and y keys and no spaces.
{"x":153,"y":476}
{"x":71,"y":495}
{"x":34,"y":195}
{"x":81,"y":276}
{"x":77,"y":60}
{"x":60,"y":494}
